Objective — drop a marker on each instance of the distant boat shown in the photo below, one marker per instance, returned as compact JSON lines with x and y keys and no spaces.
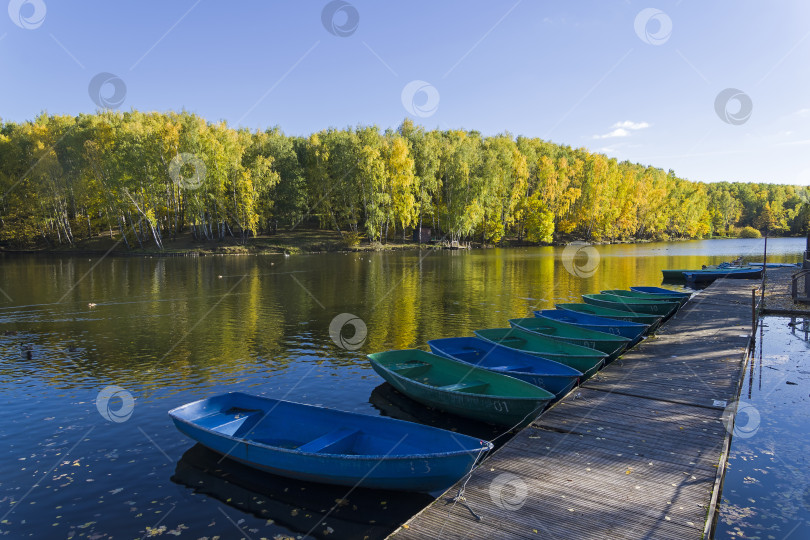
{"x":647,"y":296}
{"x":588,"y":361}
{"x":652,"y":307}
{"x":777,"y":265}
{"x":631,"y":330}
{"x":610,"y":344}
{"x":707,"y":276}
{"x":555,"y":377}
{"x":459,"y":388}
{"x":643,"y":318}
{"x":678,"y":274}
{"x":312,"y":443}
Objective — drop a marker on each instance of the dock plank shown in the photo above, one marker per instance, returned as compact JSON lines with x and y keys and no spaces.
{"x":633,"y":453}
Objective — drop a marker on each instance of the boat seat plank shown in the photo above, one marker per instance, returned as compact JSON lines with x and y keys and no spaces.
{"x":230,"y":423}
{"x":330,"y":441}
{"x":469,"y":386}
{"x":510,"y":368}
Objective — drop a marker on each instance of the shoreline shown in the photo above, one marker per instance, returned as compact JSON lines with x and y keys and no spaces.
{"x":293,"y":243}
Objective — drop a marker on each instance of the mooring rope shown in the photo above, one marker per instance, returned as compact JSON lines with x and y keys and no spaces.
{"x":460,"y":498}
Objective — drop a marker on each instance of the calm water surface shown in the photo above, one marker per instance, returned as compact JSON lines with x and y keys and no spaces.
{"x":172,"y":330}
{"x":766,"y":494}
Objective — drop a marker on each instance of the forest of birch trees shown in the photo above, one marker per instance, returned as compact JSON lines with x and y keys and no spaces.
{"x":146,"y":178}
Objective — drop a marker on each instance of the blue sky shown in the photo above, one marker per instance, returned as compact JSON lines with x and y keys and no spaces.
{"x":586,"y":73}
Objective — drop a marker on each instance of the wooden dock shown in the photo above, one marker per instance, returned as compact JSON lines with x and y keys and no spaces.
{"x":778,"y":299}
{"x":634,"y":453}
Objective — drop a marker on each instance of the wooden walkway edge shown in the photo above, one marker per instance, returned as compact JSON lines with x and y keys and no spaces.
{"x":634,"y":453}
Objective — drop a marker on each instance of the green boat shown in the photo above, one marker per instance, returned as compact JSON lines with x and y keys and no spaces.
{"x":653,"y":321}
{"x":583,"y":359}
{"x":459,"y":388}
{"x":610,"y":344}
{"x":634,"y":305}
{"x":674,"y":274}
{"x":648,"y":296}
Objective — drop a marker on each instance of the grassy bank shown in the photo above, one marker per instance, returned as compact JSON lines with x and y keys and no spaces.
{"x":290,"y":242}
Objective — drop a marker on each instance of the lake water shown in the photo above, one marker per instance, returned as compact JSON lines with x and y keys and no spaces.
{"x":766,"y":493}
{"x":172,"y":330}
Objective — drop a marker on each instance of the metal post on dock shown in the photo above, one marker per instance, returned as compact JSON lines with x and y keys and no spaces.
{"x":753,"y":312}
{"x":806,"y":265}
{"x":764,"y":266}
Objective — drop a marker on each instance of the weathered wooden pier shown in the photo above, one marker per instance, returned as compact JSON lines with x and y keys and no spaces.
{"x":637,"y":452}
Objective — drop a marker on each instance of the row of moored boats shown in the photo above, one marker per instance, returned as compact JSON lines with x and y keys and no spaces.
{"x":504,"y":376}
{"x":731,"y":270}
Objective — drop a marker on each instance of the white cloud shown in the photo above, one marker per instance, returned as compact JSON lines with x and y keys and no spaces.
{"x":800,"y":142}
{"x":618,"y":132}
{"x":622,"y":129}
{"x":802,"y":113}
{"x":629,"y":124}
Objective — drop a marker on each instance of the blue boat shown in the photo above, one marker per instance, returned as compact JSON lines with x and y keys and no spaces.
{"x":555,"y":377}
{"x":662,"y":291}
{"x":316,"y":444}
{"x":777,"y":265}
{"x":609,"y":344}
{"x":708,"y":276}
{"x":630,"y":330}
{"x":585,"y":360}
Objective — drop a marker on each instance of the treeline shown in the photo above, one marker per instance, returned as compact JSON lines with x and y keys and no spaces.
{"x":148,"y":177}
